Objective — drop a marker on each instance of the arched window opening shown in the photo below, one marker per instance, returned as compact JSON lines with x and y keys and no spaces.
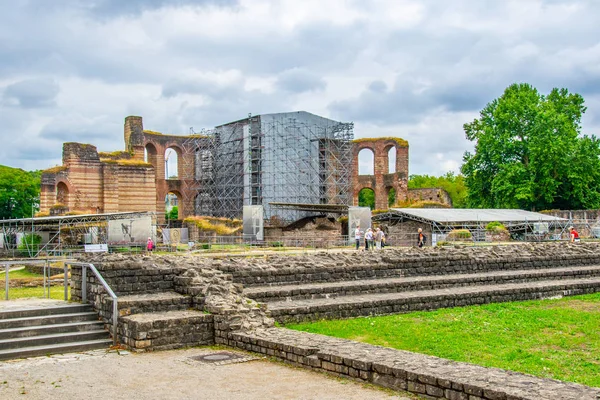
{"x":392,"y":160}
{"x":150,"y":154}
{"x":172,"y":204}
{"x":171,"y":163}
{"x":391,"y":197}
{"x":62,"y":194}
{"x":366,"y":162}
{"x":366,"y":198}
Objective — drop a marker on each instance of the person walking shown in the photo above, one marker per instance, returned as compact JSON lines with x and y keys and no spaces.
{"x":421,"y":238}
{"x":378,"y":237}
{"x":149,"y":245}
{"x":357,"y":235}
{"x":369,"y":239}
{"x":574,"y":235}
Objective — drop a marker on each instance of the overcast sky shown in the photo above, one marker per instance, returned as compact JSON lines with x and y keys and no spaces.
{"x":71,"y":70}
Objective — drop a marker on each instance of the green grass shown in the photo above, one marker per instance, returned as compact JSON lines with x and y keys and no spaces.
{"x":20,"y":274}
{"x":56,"y":292}
{"x":557,"y":339}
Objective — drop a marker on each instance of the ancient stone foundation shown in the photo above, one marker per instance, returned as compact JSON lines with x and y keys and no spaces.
{"x":166,"y":302}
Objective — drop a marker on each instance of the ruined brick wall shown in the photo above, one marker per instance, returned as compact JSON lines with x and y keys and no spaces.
{"x":430,"y":194}
{"x":182,"y":182}
{"x":91,"y":184}
{"x":382,"y":181}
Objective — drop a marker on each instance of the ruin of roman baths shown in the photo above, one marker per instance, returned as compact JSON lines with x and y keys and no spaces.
{"x":159,"y":301}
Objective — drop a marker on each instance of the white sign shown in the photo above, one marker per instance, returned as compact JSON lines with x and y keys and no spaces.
{"x":96,"y":248}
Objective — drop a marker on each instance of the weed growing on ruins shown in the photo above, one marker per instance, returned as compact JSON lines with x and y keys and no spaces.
{"x":547,"y":338}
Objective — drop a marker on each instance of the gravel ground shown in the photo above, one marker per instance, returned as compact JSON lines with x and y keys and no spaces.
{"x":170,"y":375}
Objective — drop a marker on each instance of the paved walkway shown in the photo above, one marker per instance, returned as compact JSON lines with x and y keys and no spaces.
{"x":170,"y":375}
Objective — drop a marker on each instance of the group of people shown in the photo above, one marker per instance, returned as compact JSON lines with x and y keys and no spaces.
{"x":374,"y":239}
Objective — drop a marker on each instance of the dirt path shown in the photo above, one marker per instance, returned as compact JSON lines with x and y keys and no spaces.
{"x":169,"y":375}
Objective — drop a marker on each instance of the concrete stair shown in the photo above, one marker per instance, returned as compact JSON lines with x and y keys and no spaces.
{"x":50,"y":330}
{"x":380,"y":296}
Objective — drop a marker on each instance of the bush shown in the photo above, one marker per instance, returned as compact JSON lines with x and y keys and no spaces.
{"x":495,"y":226}
{"x":276,"y":244}
{"x":205,"y":246}
{"x":30,"y":243}
{"x":459,"y":234}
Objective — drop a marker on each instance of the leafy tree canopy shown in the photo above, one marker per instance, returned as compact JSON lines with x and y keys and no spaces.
{"x":366,"y":198}
{"x":453,"y":184}
{"x":173,"y":213}
{"x":19,"y":191}
{"x":530,"y":154}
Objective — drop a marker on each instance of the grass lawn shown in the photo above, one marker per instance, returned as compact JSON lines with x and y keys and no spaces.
{"x":56,"y":292}
{"x":20,"y":274}
{"x":557,"y":339}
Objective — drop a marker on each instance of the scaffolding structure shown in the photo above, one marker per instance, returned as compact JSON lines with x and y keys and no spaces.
{"x":62,"y":234}
{"x":285,"y":158}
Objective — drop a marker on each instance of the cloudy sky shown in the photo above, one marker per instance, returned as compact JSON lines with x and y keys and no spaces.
{"x":71,"y":70}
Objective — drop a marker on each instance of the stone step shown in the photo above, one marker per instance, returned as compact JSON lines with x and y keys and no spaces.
{"x":166,"y":330}
{"x":382,"y":265}
{"x":393,"y":303}
{"x":418,"y":283}
{"x":47,"y":320}
{"x":149,"y":302}
{"x":56,"y":338}
{"x":41,"y":311}
{"x":50,"y":329}
{"x":8,"y":354}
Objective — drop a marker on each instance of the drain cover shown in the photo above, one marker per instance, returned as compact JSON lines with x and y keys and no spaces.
{"x":222,"y":358}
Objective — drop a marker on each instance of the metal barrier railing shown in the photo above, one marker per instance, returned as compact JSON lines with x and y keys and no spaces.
{"x":46,"y":274}
{"x":84,"y":267}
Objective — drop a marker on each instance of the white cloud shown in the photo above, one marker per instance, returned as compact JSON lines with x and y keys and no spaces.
{"x":418,"y":69}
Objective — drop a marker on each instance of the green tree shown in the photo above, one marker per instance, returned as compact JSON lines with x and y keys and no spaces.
{"x":530,"y":154}
{"x":453,"y":184}
{"x":391,"y":197}
{"x":173,"y":213}
{"x":366,"y":198}
{"x":19,"y":192}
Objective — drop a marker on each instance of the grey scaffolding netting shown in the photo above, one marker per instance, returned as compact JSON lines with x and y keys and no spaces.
{"x":286,"y":158}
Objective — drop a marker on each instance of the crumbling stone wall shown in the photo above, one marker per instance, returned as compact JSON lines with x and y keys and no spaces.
{"x":430,"y":194}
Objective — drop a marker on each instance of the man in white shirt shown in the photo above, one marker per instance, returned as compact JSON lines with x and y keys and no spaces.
{"x":357,"y":235}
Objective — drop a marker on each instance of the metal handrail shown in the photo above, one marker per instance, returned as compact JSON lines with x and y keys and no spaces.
{"x":84,"y":267}
{"x":46,"y":272}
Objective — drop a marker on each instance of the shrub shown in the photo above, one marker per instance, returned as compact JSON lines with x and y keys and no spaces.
{"x":459,"y":234}
{"x":276,"y":244}
{"x":495,"y":226}
{"x":29,"y":244}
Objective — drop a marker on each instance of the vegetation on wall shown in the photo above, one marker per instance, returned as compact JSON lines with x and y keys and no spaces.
{"x":220,"y":226}
{"x":19,"y":192}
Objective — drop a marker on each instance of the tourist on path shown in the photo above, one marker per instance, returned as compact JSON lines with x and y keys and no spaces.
{"x":378,"y":238}
{"x":150,"y":245}
{"x":421,"y":238}
{"x":357,"y":235}
{"x":369,"y":239}
{"x":574,"y":235}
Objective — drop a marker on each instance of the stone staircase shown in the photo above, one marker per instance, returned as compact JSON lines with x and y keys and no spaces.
{"x":364,"y":291}
{"x":50,"y":330}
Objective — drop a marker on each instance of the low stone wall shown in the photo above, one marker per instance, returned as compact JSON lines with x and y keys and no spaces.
{"x":39,"y":269}
{"x":166,"y":331}
{"x":333,"y":267}
{"x":430,"y":377}
{"x":460,"y":297}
